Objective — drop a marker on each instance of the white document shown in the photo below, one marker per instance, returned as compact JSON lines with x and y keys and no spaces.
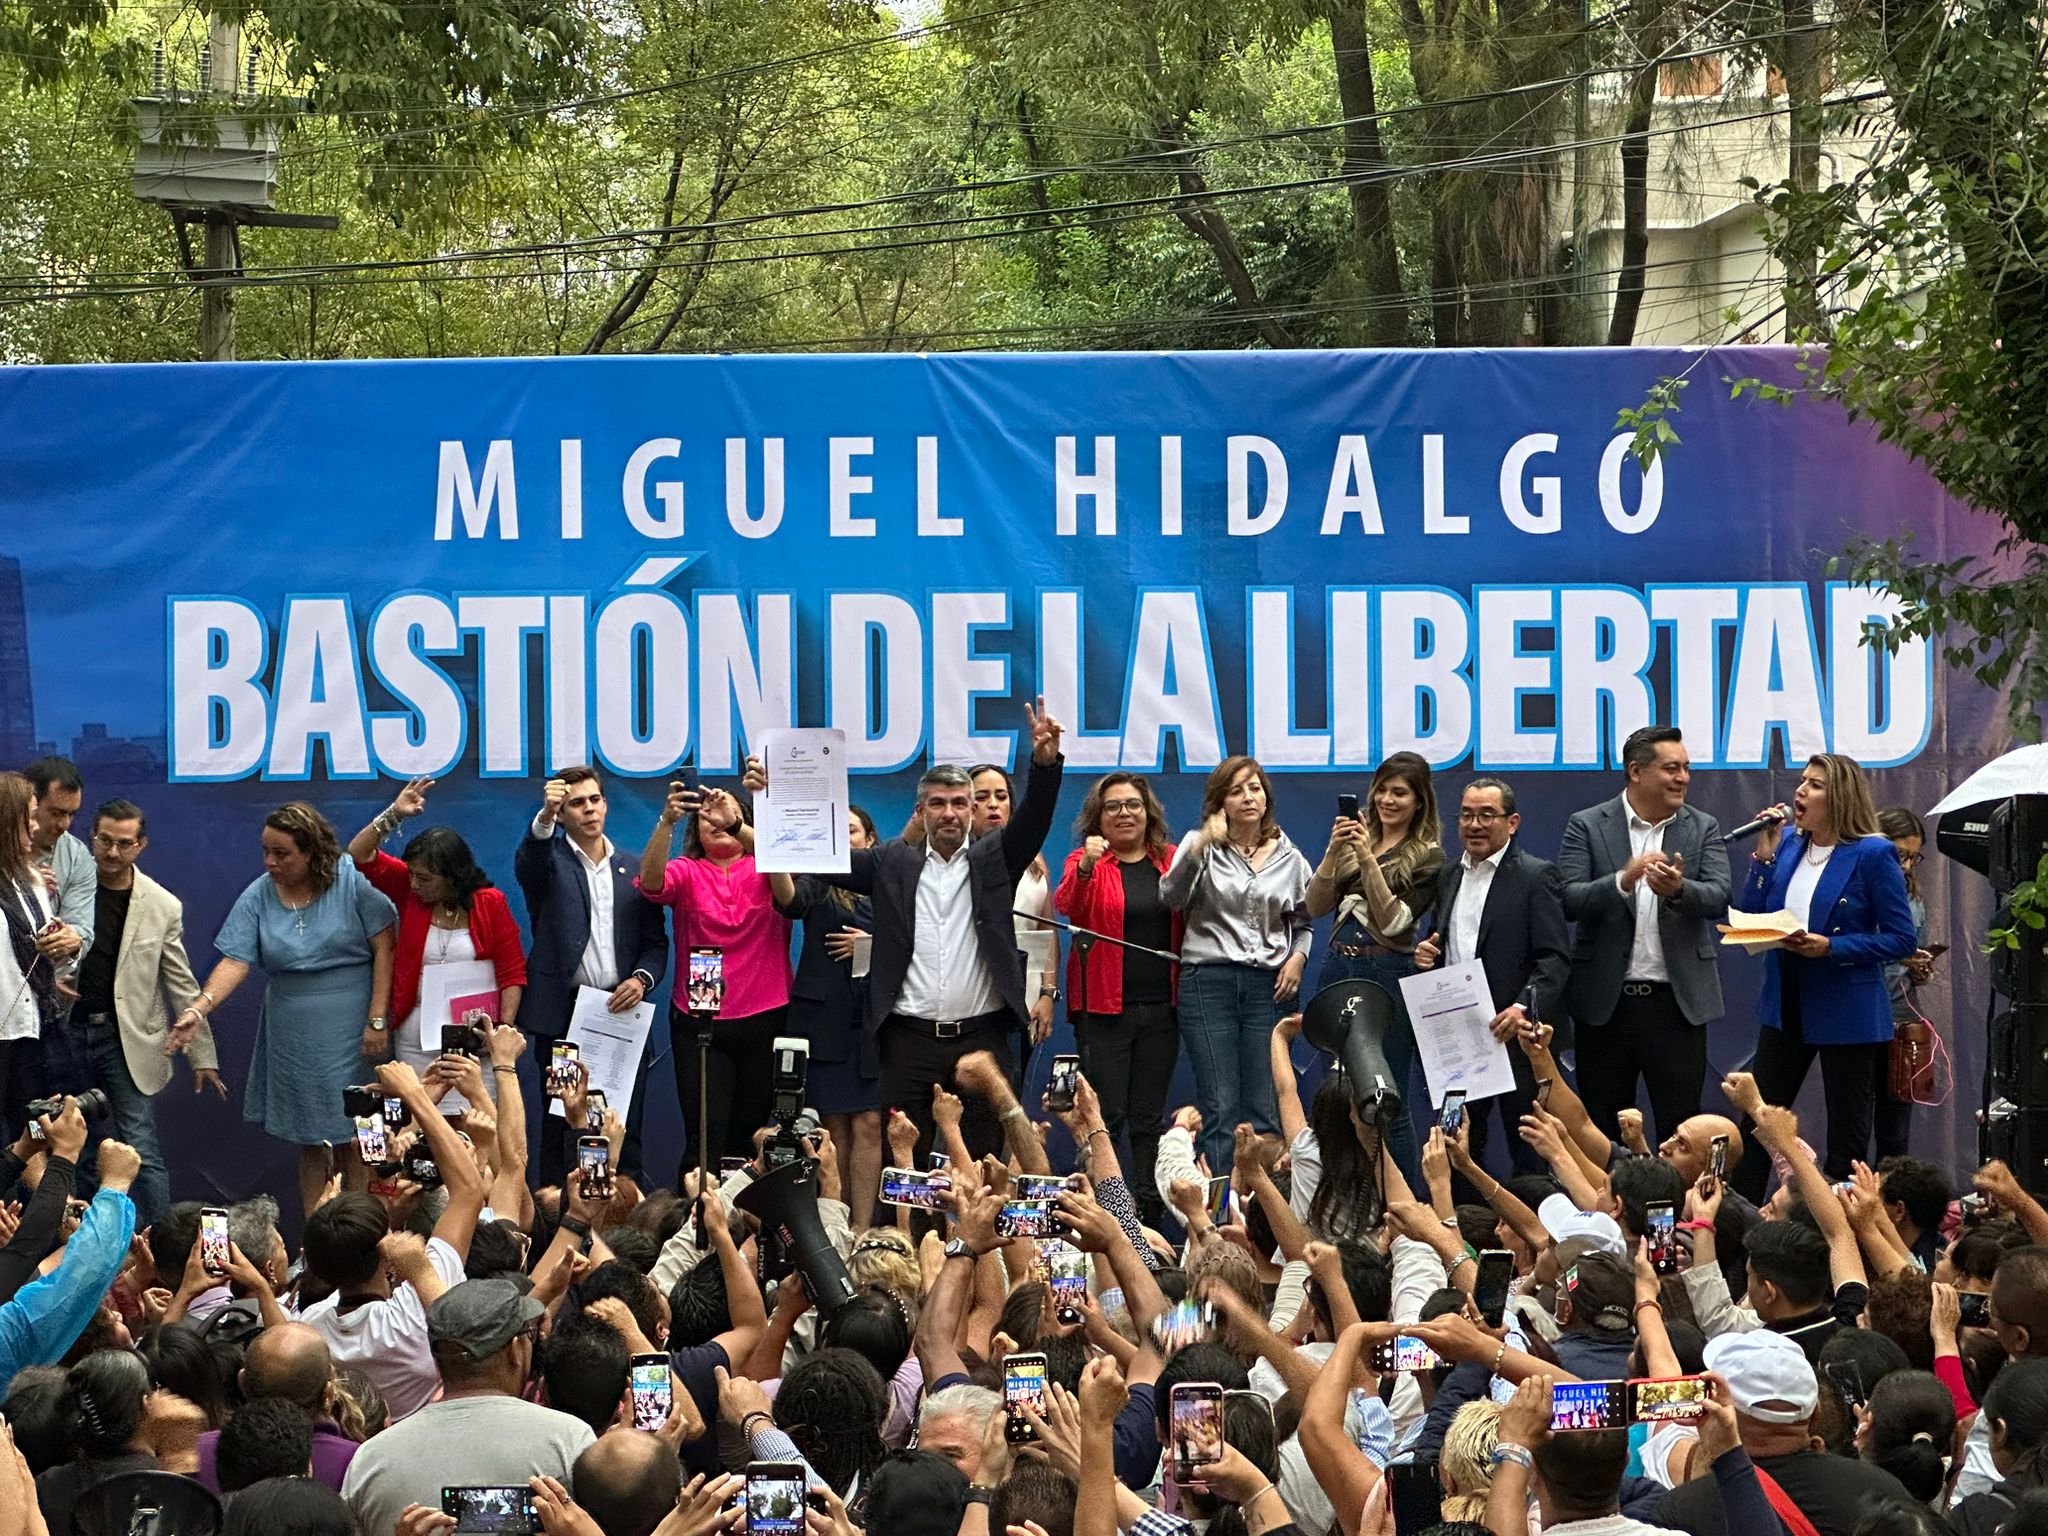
{"x":1451,"y":1008}
{"x":800,"y":819}
{"x":446,"y":992}
{"x":609,"y":1045}
{"x":863,"y":952}
{"x":1041,"y":958}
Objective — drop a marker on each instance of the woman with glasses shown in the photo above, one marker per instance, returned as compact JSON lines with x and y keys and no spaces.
{"x":1823,"y":993}
{"x":1379,"y":876}
{"x":1242,"y":886}
{"x":1903,"y":979}
{"x":1122,"y":1001}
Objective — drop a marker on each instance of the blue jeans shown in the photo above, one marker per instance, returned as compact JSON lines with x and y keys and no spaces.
{"x":131,"y":1117}
{"x":1227,"y":1014}
{"x":1405,"y":1136}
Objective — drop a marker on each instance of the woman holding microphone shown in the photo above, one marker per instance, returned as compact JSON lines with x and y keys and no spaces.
{"x":1128,"y":1040}
{"x":1378,"y":875}
{"x":1243,"y":887}
{"x":1824,"y":992}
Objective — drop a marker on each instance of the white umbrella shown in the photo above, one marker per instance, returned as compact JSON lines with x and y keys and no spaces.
{"x":2022,"y":771}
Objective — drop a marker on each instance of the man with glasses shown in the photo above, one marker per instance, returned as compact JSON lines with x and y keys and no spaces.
{"x":120,"y":1022}
{"x":1504,"y":908}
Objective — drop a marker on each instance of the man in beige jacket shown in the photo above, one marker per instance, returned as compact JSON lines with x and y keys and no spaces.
{"x":120,"y":1024}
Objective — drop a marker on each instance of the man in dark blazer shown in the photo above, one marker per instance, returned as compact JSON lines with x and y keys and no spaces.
{"x":945,"y":977}
{"x":569,"y":872}
{"x":1645,"y":878}
{"x":1504,"y":908}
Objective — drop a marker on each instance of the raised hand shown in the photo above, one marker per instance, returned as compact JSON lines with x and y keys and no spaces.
{"x":1429,"y":952}
{"x":553,"y":795}
{"x":411,"y":800}
{"x":681,"y":802}
{"x":1045,"y":733}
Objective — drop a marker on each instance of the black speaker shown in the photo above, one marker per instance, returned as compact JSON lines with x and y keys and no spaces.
{"x":2018,"y":1138}
{"x":2017,"y":1058}
{"x":786,"y":1201}
{"x":2018,"y":836}
{"x":1349,"y":1019}
{"x":2022,"y":973}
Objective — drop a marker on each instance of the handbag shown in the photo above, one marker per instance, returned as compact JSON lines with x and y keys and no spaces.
{"x":1918,"y":1070}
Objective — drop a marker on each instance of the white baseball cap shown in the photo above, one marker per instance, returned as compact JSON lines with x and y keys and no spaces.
{"x":1595,"y":1231}
{"x":1768,"y":1375}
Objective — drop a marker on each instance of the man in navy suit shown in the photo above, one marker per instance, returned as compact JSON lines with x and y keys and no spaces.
{"x":590,"y":929}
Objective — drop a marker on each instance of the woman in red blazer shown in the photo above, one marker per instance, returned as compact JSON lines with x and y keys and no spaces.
{"x":448,"y":913}
{"x":1122,"y":1006}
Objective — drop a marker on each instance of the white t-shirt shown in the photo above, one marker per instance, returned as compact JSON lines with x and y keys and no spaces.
{"x":1799,"y":894}
{"x":387,"y":1340}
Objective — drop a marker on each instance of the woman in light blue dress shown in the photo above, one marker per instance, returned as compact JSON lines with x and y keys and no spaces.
{"x":324,"y":938}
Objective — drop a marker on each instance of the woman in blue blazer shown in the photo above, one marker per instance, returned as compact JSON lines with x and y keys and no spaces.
{"x":1824,"y":993}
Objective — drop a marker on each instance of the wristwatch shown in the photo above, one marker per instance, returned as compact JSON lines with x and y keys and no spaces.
{"x":379,"y":1024}
{"x":959,"y":1248}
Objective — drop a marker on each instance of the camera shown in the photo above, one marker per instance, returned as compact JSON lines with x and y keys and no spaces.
{"x":92,"y":1104}
{"x":794,"y":1124}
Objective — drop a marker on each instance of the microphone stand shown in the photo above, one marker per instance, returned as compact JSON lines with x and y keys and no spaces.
{"x":1086,"y":939}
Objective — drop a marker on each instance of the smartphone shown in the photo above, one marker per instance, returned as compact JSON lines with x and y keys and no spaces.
{"x":1660,"y":1223}
{"x":562,"y":1067}
{"x":1347,"y":806}
{"x":707,"y":995}
{"x":1066,"y":1076}
{"x":361,"y":1100}
{"x":1973,"y":1309}
{"x":594,"y":1159}
{"x":1847,"y":1376}
{"x":1490,"y":1287}
{"x":420,"y":1167}
{"x":1973,"y":1205}
{"x":595,"y":1104}
{"x":1667,"y":1399}
{"x":1936,"y":951}
{"x":509,"y":1510}
{"x":906,"y":1186}
{"x":1452,"y":1118}
{"x":653,"y":1394}
{"x":461,"y":1040}
{"x":1717,"y":1159}
{"x":1182,"y":1324}
{"x":371,"y":1140}
{"x":1543,"y":1091}
{"x":1588,"y":1405}
{"x":1216,"y":1198}
{"x":1067,"y":1275}
{"x":1195,"y":1420}
{"x":1403,"y":1355}
{"x":213,"y":1239}
{"x":396,"y":1116}
{"x":1023,"y":1387}
{"x":1024,"y":1218}
{"x":941,"y":1163}
{"x":1037,"y":1186}
{"x":775,"y":1498}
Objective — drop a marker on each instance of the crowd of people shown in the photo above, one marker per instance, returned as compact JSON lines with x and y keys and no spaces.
{"x":1264,"y":1311}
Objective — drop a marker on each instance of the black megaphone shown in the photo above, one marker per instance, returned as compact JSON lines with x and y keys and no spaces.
{"x":786,"y":1202}
{"x":1349,"y":1019}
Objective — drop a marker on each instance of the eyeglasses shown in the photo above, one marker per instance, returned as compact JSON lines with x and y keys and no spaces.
{"x":1114,"y":807}
{"x":108,"y":844}
{"x":1482,"y":818}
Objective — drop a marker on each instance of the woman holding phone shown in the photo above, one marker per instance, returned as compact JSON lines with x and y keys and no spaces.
{"x":1122,"y":1006}
{"x":1242,"y":886}
{"x":1378,"y":875}
{"x":1823,"y":993}
{"x":721,"y":902}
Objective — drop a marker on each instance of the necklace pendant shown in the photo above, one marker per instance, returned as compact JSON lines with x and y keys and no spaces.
{"x":301,"y":923}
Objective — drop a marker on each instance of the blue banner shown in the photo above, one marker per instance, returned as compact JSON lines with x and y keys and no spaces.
{"x":226,"y":586}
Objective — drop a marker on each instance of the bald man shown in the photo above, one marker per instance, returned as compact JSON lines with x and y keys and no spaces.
{"x":290,"y":1361}
{"x":627,"y":1482}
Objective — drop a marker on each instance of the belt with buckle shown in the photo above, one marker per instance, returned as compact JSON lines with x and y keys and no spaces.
{"x":948,"y":1029}
{"x":1361,"y":951}
{"x":94,"y":1018}
{"x":1644,"y":988}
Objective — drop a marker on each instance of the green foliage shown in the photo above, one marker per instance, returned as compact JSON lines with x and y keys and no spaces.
{"x":2026,"y":908}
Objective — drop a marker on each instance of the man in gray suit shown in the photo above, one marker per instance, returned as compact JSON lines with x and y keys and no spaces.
{"x":1645,"y":878}
{"x":136,"y":961}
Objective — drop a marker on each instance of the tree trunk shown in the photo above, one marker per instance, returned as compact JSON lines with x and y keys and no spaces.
{"x":628,"y":303}
{"x":1213,"y":230}
{"x":1635,"y":208}
{"x":1372,"y":208}
{"x":1803,"y":50}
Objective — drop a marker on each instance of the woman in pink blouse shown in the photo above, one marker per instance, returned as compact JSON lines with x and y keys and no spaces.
{"x":721,"y":902}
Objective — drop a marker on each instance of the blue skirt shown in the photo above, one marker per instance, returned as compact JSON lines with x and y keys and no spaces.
{"x":309,"y":1045}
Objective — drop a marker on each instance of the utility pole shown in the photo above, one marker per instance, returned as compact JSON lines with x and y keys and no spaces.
{"x":216,"y":291}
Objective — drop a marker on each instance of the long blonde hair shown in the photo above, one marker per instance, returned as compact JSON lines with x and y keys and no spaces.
{"x":1425,"y":831}
{"x":1852,"y":812}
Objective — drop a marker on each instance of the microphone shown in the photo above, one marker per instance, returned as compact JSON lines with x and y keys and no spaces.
{"x":1776,"y":816}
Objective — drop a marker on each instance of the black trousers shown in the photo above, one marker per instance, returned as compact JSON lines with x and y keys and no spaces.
{"x":1648,"y":1038}
{"x":1128,"y":1059}
{"x":739,"y":1077}
{"x":1512,"y":1106}
{"x":1850,"y":1079}
{"x":914,"y":1058}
